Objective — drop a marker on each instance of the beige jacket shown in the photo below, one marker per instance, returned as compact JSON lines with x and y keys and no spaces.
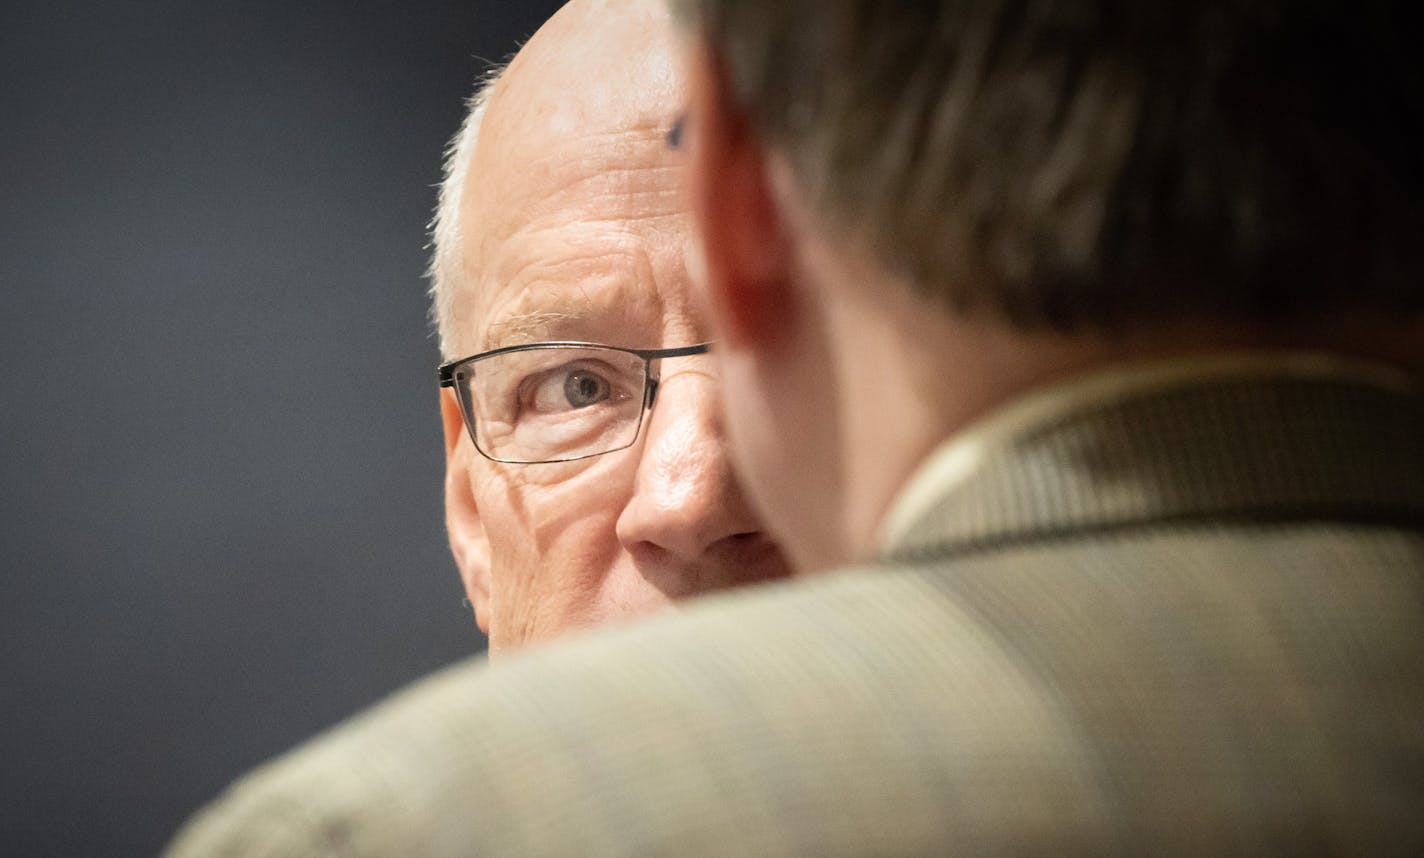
{"x":1188,"y":620}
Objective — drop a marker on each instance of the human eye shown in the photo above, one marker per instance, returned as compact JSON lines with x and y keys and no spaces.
{"x":575,"y":385}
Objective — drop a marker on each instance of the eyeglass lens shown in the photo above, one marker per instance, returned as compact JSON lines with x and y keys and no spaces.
{"x":553,"y":404}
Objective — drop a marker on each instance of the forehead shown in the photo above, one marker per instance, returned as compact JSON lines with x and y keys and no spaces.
{"x":600,"y":237}
{"x":572,"y":204}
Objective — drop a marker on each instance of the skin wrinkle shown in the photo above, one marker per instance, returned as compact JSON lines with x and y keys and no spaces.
{"x":621,"y":302}
{"x":522,"y":252}
{"x":592,"y":195}
{"x":573,"y":227}
{"x":525,"y":250}
{"x":583,"y":185}
{"x":584,"y":181}
{"x":683,"y":434}
{"x":528,"y":327}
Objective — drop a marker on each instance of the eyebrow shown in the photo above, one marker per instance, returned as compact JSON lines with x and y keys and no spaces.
{"x":520,"y":328}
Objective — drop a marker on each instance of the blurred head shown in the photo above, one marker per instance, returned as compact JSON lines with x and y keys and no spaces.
{"x":912,"y":211}
{"x":562,"y":220}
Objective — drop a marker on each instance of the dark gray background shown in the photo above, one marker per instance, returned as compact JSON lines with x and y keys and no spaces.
{"x":221,"y":523}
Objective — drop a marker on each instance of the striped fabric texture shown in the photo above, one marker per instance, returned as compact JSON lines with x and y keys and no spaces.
{"x":1190,"y":622}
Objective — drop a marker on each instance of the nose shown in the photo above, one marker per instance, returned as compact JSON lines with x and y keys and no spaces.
{"x":686,"y":505}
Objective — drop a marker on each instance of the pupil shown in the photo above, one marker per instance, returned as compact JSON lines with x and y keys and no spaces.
{"x":582,"y":389}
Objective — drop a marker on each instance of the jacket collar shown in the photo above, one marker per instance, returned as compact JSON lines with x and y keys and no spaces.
{"x":1229,"y":438}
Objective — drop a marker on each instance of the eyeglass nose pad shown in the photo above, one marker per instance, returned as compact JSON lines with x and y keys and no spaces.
{"x":652,"y":392}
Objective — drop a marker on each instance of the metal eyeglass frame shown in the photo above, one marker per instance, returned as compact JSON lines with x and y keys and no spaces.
{"x":650,"y":388}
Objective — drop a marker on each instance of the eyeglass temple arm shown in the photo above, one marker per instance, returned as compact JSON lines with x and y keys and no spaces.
{"x":680,"y":351}
{"x":657,"y":354}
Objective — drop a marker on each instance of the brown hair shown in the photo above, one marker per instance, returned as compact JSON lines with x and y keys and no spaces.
{"x":1085,"y":163}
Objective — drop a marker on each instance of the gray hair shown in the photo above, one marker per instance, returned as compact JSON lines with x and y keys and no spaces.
{"x":1088,"y":163}
{"x":446,"y":271}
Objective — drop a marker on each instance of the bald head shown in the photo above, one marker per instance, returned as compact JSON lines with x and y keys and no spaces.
{"x":580,"y":112}
{"x":563,"y":219}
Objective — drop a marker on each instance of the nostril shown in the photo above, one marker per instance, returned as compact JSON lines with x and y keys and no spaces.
{"x":744,"y":547}
{"x":741,"y":540}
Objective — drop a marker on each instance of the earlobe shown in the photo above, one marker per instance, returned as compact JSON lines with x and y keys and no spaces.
{"x":468,"y":541}
{"x":745,"y":272}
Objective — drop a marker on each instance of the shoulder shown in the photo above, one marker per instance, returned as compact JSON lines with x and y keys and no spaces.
{"x":835,"y":716}
{"x":1002,"y":702}
{"x":338,"y":793}
{"x":821,"y":717}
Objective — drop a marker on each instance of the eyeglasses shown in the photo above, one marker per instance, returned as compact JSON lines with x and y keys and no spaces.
{"x":556,"y":402}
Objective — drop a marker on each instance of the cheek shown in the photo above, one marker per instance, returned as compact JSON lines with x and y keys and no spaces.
{"x":552,"y":542}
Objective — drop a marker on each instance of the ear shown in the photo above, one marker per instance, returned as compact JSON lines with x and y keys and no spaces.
{"x":468,"y":540}
{"x":745,"y":266}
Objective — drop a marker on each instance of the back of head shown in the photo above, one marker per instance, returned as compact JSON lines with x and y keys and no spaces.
{"x":1086,"y":164}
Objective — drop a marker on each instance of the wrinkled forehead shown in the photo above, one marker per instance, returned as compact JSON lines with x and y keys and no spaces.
{"x":573,"y":144}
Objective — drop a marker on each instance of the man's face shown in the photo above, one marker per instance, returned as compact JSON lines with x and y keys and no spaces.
{"x":573,"y":228}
